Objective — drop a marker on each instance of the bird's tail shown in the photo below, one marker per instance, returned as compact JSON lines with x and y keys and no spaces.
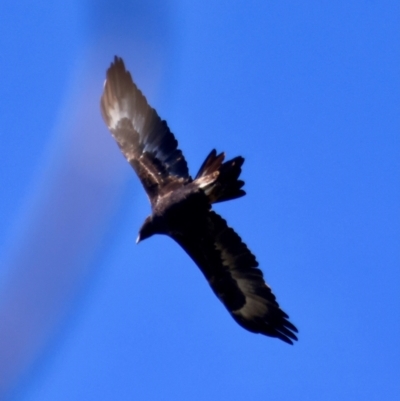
{"x":220,"y":181}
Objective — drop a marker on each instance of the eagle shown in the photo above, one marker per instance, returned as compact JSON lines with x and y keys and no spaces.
{"x":181,"y":207}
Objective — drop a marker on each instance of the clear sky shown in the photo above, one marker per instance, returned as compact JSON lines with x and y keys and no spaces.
{"x":308,"y":92}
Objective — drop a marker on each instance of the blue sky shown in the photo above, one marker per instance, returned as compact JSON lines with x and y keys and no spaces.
{"x":308,"y":93}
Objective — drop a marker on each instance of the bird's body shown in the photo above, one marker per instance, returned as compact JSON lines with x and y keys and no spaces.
{"x":182,"y":206}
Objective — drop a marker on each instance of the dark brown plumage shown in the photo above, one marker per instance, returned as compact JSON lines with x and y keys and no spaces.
{"x":181,"y":206}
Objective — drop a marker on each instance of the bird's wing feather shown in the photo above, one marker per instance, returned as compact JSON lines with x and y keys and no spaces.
{"x":231,"y":270}
{"x":144,"y":139}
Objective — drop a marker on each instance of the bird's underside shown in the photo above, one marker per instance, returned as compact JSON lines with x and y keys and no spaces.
{"x":182,"y":206}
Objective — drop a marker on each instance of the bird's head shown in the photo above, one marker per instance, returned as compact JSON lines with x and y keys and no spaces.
{"x":147,"y":230}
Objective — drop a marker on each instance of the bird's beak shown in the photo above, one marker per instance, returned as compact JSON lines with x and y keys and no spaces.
{"x":138,"y":239}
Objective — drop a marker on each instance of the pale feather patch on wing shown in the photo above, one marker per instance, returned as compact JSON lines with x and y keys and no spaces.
{"x":116,"y":112}
{"x":120,"y":110}
{"x":255,"y":305}
{"x":127,"y":138}
{"x":125,"y":109}
{"x":253,"y":308}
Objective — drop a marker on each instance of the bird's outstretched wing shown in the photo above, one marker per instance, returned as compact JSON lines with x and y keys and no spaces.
{"x":231,"y":270}
{"x":144,"y":139}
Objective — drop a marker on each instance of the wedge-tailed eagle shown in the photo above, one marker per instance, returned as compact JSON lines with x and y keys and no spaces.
{"x":182,"y":206}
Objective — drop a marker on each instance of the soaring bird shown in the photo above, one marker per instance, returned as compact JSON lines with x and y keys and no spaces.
{"x":181,"y":207}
